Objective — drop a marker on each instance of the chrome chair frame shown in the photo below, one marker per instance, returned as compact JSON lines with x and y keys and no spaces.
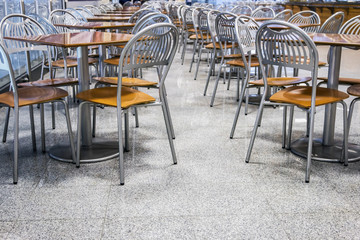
{"x":302,"y":18}
{"x":333,"y":23}
{"x":284,"y":15}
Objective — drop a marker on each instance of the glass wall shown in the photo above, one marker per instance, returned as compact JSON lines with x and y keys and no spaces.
{"x":40,"y":7}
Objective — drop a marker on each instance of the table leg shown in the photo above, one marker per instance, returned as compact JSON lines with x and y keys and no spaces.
{"x":327,"y":149}
{"x":92,"y":150}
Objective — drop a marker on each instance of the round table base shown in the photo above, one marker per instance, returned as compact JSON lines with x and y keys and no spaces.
{"x":97,"y":152}
{"x":324,"y":153}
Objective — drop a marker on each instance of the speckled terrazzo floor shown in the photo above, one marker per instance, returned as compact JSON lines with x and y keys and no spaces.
{"x":211,"y":194}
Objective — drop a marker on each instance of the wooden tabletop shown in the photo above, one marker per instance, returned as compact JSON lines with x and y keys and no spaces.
{"x":98,"y":25}
{"x":345,"y":40}
{"x":108,"y":19}
{"x":114,"y":15}
{"x":261,"y":19}
{"x":282,"y":27}
{"x":76,"y":39}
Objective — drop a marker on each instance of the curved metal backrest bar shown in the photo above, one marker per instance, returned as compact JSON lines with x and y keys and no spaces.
{"x":245,"y":33}
{"x":284,"y":15}
{"x":150,"y":19}
{"x":128,"y":4}
{"x":225,"y":26}
{"x":19,"y":25}
{"x":263,"y":12}
{"x":84,"y":12}
{"x":352,"y":26}
{"x":138,"y":14}
{"x":290,"y":47}
{"x":333,"y":23}
{"x":5,"y":65}
{"x":211,"y":24}
{"x":93,"y":9}
{"x":77,"y":14}
{"x":60,"y":16}
{"x":242,"y":10}
{"x":153,"y":46}
{"x":306,"y":17}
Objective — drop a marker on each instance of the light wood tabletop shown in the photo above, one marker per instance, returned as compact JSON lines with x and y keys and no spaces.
{"x":98,"y":25}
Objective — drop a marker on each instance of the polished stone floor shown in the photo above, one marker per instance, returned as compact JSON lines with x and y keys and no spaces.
{"x":210,"y":194}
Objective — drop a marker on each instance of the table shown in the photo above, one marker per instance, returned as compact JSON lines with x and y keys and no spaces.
{"x":108,"y":19}
{"x":327,"y":149}
{"x":114,"y":15}
{"x":92,"y":150}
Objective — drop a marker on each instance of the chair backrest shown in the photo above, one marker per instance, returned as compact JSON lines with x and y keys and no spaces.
{"x":93,"y":9}
{"x":128,"y":4}
{"x":105,"y":7}
{"x":333,"y":23}
{"x":242,"y":10}
{"x":263,"y":12}
{"x":224,"y":27}
{"x":284,"y":15}
{"x":150,"y":19}
{"x":60,"y":16}
{"x":187,"y":19}
{"x":154,"y":46}
{"x":84,"y":12}
{"x":78,"y":14}
{"x":352,"y":26}
{"x":139,"y":14}
{"x":5,"y":65}
{"x":118,"y":6}
{"x":306,"y":17}
{"x":289,"y":48}
{"x":19,"y":25}
{"x":211,"y":17}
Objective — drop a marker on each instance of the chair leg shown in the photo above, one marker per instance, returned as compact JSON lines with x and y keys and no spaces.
{"x":121,"y":152}
{"x":42,"y":123}
{"x":6,"y":126}
{"x":212,"y":65}
{"x":256,"y":125}
{"x":183,"y":52}
{"x":53,"y":115}
{"x":126,"y":125}
{"x":165,"y":101}
{"x":136,"y":117}
{"x":94,"y":120}
{"x":71,"y":137}
{"x":198,"y":64}
{"x":345,"y":153}
{"x":310,"y":144}
{"x":291,"y":120}
{"x":247,"y":101}
{"x":193,"y":56}
{"x":32,"y":126}
{"x":16,"y":145}
{"x":284,"y":127}
{"x":78,"y":137}
{"x":243,"y":89}
{"x":215,"y":87}
{"x":171,"y":143}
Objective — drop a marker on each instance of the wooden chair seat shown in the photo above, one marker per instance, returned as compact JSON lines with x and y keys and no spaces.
{"x":115,"y":60}
{"x":231,"y":56}
{"x":107,"y":96}
{"x":282,"y":81}
{"x":217,"y":45}
{"x":239,"y":62}
{"x":33,"y":95}
{"x":127,"y":82}
{"x":354,"y":90}
{"x":301,"y":96}
{"x":343,"y":80}
{"x":70,"y":62}
{"x":320,"y":63}
{"x":193,"y":37}
{"x":56,"y":82}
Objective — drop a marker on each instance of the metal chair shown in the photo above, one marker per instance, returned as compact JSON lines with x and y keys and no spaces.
{"x":301,"y":52}
{"x":333,"y":23}
{"x":128,"y":4}
{"x":306,"y":17}
{"x":263,"y":12}
{"x":135,"y":56}
{"x":352,"y":26}
{"x":139,"y":14}
{"x":242,"y":10}
{"x":93,"y":9}
{"x":28,"y":96}
{"x":187,"y":29}
{"x":61,"y":16}
{"x":284,"y":15}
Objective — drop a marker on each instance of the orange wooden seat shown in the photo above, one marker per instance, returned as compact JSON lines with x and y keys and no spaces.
{"x":127,"y":82}
{"x":282,"y":81}
{"x":56,"y":82}
{"x":301,"y":96}
{"x":193,"y":37}
{"x":217,"y":45}
{"x":343,"y":80}
{"x":33,"y":95}
{"x":354,"y":90}
{"x":108,"y":96}
{"x":70,"y":62}
{"x":239,"y":62}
